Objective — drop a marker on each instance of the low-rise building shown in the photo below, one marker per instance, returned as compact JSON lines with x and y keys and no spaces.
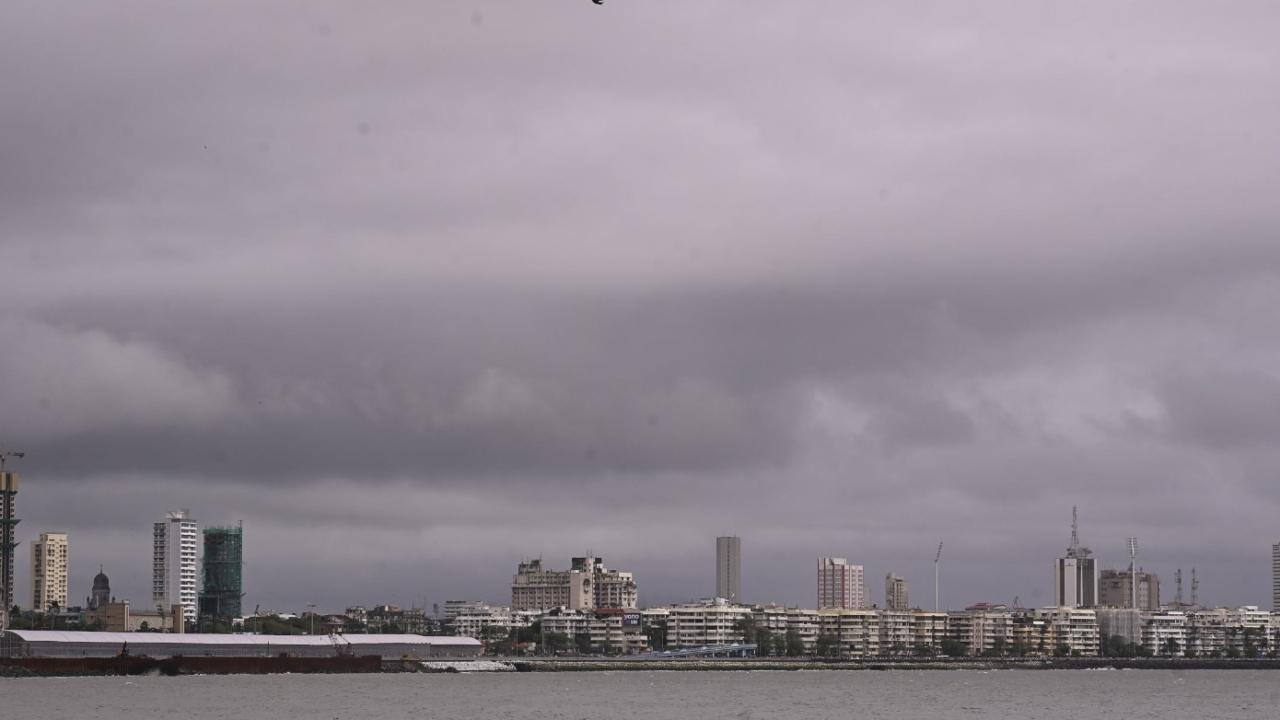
{"x":1165,"y":633}
{"x":856,"y":633}
{"x":1073,"y":630}
{"x":485,"y":623}
{"x":395,"y":619}
{"x":714,"y":622}
{"x":609,"y":631}
{"x":982,"y":629}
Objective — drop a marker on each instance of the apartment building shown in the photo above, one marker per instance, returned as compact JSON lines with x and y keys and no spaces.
{"x":49,"y":572}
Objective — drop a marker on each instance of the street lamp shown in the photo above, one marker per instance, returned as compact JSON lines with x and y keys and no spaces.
{"x":6,"y":454}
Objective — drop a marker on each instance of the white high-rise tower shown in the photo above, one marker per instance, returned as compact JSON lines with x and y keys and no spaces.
{"x":176,"y":563}
{"x":49,"y":572}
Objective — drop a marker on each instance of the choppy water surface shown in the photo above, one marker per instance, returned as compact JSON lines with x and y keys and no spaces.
{"x":1074,"y":695}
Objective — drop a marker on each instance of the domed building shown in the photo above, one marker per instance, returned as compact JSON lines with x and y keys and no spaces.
{"x":101,"y":594}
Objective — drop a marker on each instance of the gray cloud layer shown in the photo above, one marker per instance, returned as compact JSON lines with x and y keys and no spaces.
{"x":416,"y":290}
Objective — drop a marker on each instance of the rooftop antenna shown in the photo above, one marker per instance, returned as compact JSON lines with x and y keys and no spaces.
{"x":1195,"y":589}
{"x":1075,"y":533}
{"x":936,"y":558}
{"x":1177,"y":584}
{"x":1133,"y":571}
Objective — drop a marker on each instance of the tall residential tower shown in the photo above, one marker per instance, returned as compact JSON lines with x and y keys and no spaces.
{"x":175,"y":563}
{"x":840,"y":585}
{"x":1275,"y":577}
{"x":729,"y":568}
{"x":895,"y":592}
{"x":49,"y":572}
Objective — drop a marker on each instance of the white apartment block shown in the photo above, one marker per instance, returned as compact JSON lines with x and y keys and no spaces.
{"x":983,"y":629}
{"x":49,"y":572}
{"x":454,"y":608}
{"x":840,"y":585}
{"x":477,"y":622}
{"x":1073,"y":627}
{"x":897,"y":632}
{"x":772,"y":618}
{"x":175,"y":563}
{"x":604,"y":632}
{"x":713,"y":623}
{"x":856,"y":632}
{"x":805,"y":624}
{"x":1165,"y":634}
{"x":929,"y":629}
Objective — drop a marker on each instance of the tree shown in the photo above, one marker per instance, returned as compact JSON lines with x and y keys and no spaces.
{"x":528,"y":634}
{"x":1062,"y":650}
{"x":583,"y":641}
{"x":554,"y":642}
{"x":1251,"y":642}
{"x":952,"y":647}
{"x":827,"y":645}
{"x":1117,"y":646}
{"x":1170,"y":647}
{"x":745,"y":627}
{"x":794,"y":645}
{"x":764,"y":642}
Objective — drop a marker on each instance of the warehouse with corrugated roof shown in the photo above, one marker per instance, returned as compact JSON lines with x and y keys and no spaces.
{"x":65,"y":644}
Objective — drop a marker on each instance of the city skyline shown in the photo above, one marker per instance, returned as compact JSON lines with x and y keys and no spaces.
{"x":483,"y":282}
{"x":340,"y":599}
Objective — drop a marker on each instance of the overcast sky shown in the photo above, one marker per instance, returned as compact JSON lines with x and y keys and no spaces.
{"x":418,"y":289}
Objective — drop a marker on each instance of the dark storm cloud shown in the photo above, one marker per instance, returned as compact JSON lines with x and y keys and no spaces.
{"x":493,"y":279}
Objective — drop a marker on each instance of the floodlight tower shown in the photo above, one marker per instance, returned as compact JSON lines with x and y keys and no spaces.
{"x":936,"y":606}
{"x":1133,"y":571}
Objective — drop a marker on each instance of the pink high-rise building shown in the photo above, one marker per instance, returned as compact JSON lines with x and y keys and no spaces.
{"x":840,"y":585}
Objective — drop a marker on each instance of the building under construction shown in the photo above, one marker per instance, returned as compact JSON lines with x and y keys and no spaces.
{"x":8,"y":496}
{"x":223,"y":567}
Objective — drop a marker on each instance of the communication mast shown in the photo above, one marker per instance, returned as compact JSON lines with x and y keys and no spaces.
{"x":1195,"y":589}
{"x":1177,"y":584}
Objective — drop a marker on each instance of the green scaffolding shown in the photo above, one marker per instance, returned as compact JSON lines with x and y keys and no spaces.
{"x":223,"y":566}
